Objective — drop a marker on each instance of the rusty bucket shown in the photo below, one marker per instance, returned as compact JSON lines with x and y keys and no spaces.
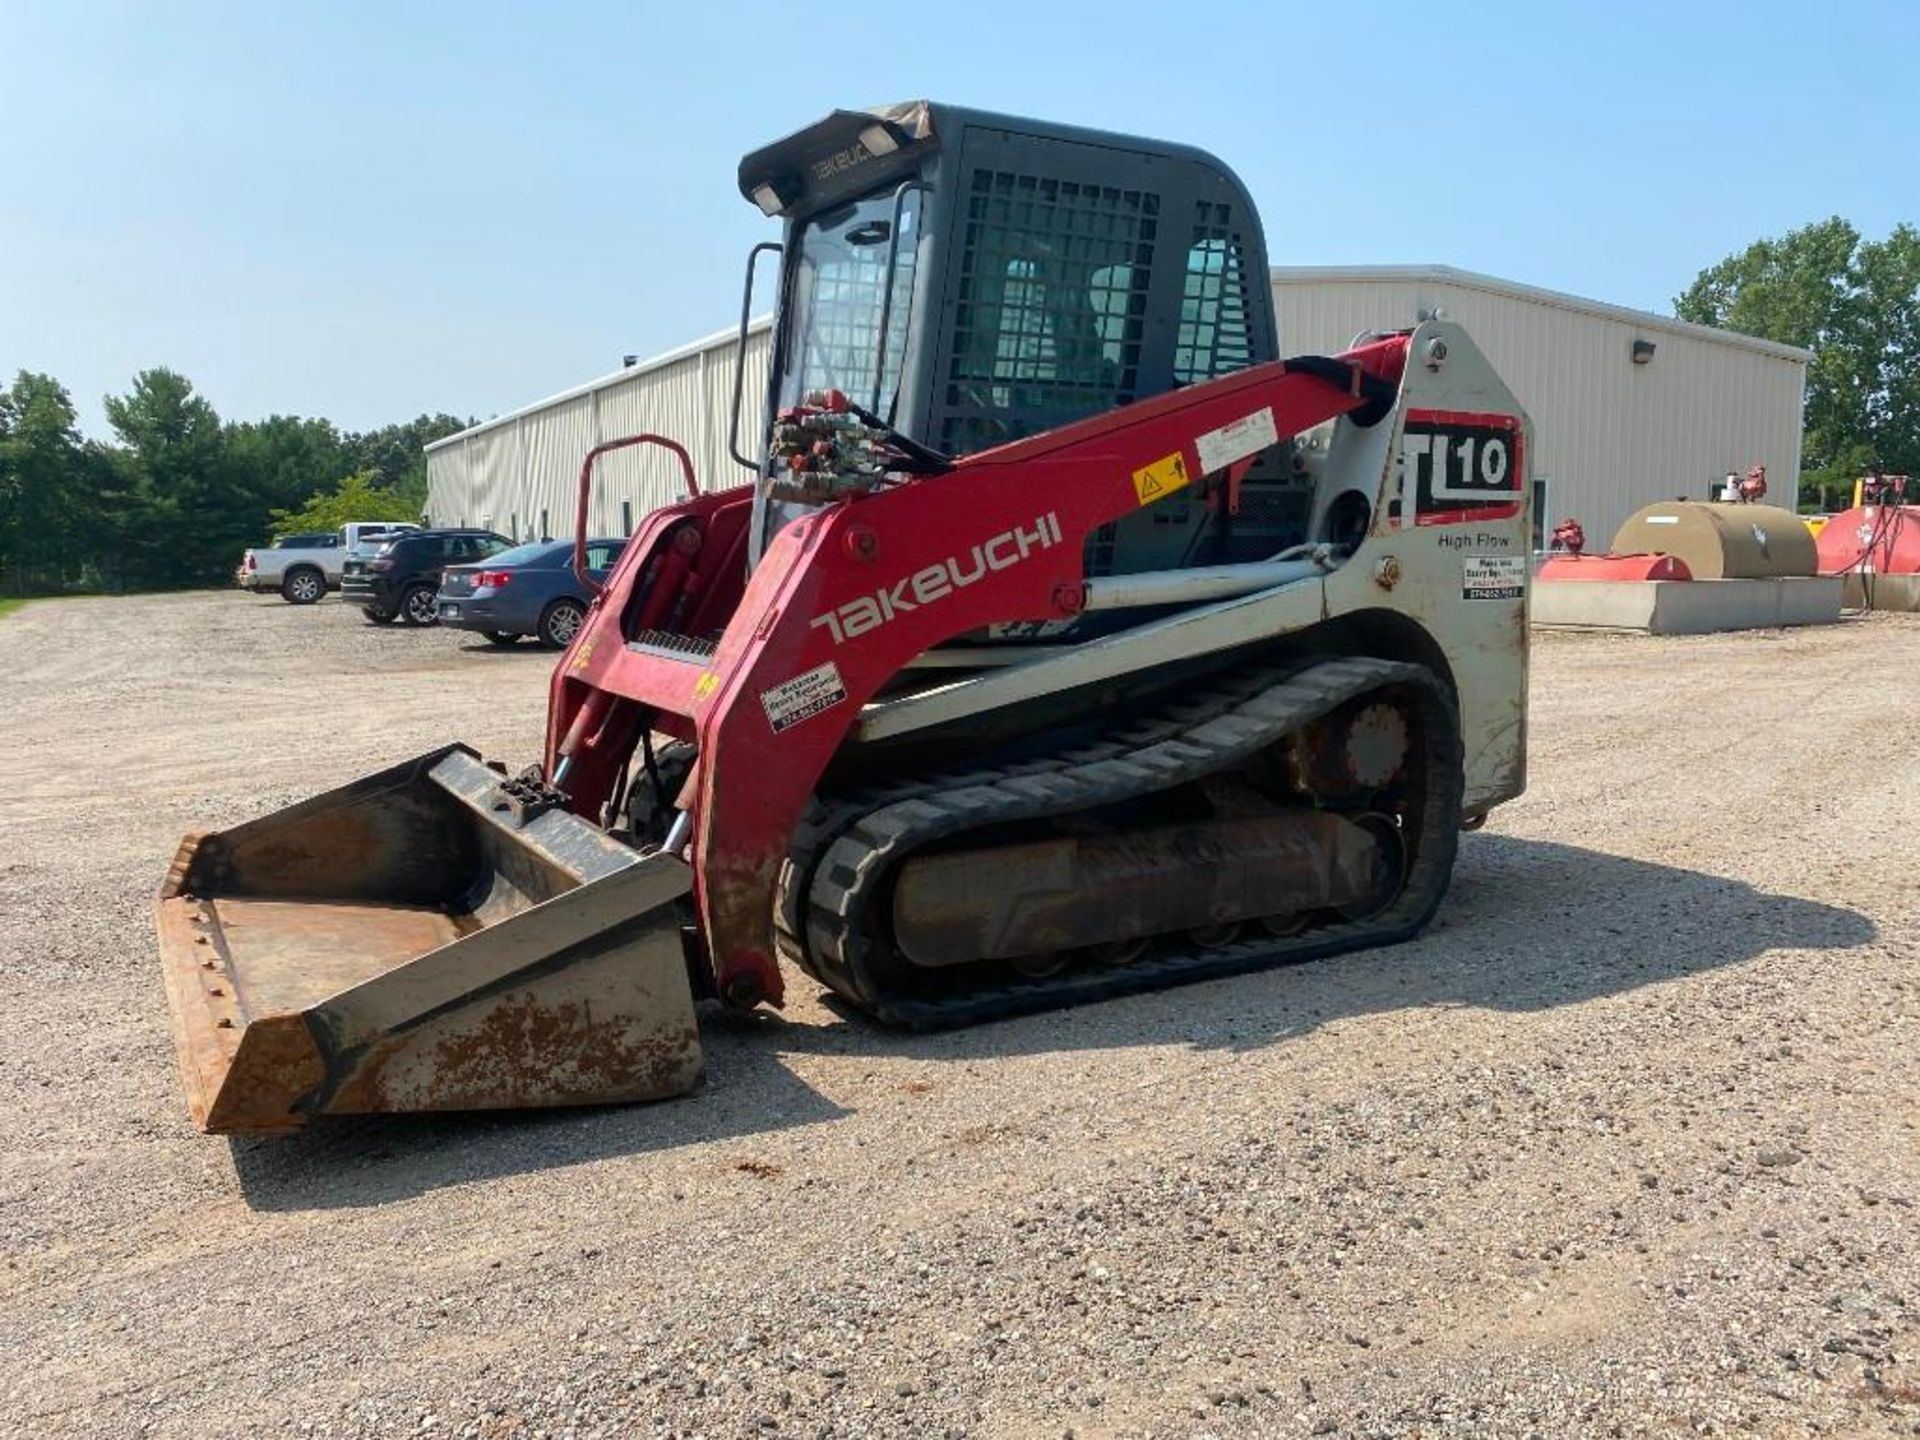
{"x":422,"y":939}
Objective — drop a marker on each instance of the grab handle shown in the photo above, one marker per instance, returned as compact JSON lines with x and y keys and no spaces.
{"x":580,"y":571}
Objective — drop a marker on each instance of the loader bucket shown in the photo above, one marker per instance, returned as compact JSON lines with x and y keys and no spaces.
{"x":422,"y":940}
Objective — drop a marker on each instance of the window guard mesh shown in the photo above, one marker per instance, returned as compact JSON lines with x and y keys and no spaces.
{"x":1051,"y":305}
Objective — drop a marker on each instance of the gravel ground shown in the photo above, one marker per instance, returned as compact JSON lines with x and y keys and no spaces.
{"x":1628,"y":1144}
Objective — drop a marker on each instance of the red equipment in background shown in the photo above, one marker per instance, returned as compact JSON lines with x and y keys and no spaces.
{"x":1879,"y":536}
{"x":1615,"y":567}
{"x":1571,"y":563}
{"x":1569,"y":536}
{"x":1748,"y":489}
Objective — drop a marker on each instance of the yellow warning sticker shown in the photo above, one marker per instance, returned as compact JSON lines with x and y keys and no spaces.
{"x":704,"y":687}
{"x":1160,"y":479}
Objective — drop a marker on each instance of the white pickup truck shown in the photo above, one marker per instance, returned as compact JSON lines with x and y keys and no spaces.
{"x":304,"y":567}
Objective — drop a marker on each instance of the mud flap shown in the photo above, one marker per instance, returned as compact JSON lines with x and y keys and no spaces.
{"x":423,"y":939}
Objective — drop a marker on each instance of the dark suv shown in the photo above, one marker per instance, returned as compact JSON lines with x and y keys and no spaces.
{"x":402,"y":581}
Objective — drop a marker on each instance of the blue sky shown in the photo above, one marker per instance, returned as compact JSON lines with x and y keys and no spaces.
{"x":364,"y":210}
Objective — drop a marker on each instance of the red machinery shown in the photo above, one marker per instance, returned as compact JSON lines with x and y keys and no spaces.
{"x":1614,"y":567}
{"x":1880,"y":535}
{"x":1066,"y":643}
{"x":909,"y":567}
{"x":1571,"y":563}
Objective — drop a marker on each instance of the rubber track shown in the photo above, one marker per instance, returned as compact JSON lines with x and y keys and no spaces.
{"x":846,"y":847}
{"x":831,"y":817}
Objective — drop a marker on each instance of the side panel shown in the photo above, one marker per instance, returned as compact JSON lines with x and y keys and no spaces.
{"x":1449,"y":548}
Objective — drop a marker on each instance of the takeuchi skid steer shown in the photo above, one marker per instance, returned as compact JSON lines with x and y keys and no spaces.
{"x":1066,"y":642}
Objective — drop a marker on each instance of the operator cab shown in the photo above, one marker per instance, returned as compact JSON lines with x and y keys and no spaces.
{"x":969,"y":279}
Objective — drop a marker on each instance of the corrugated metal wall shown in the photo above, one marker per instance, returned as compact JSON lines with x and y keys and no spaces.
{"x":1609,"y":436}
{"x":518,"y":474}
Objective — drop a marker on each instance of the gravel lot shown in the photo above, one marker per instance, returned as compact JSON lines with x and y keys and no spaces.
{"x":1628,"y":1144}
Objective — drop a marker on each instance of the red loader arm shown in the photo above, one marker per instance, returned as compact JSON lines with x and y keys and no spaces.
{"x":845,"y":597}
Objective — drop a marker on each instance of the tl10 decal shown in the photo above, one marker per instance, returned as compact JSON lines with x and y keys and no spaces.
{"x":1459,"y":468}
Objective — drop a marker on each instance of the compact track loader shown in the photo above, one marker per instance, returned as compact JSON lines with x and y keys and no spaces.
{"x":1066,"y":642}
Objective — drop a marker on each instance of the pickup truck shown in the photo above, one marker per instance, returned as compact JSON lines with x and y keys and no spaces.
{"x":304,"y":567}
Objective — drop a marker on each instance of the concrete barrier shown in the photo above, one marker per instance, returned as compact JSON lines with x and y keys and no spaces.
{"x":1687,"y":607}
{"x":1882,"y":592}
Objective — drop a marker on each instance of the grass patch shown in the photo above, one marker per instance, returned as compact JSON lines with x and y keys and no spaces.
{"x":7,"y":607}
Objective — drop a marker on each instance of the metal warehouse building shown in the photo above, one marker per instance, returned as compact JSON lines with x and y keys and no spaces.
{"x":520,"y":472}
{"x":1628,"y":408}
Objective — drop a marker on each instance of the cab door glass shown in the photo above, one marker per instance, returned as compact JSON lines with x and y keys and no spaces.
{"x":841,"y":289}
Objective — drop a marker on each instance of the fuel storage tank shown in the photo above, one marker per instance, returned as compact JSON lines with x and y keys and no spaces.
{"x":1721,"y":542}
{"x":1883,"y":539}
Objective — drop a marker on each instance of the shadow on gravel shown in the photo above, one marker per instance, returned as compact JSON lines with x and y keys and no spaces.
{"x":524,"y":649}
{"x":1529,"y":925}
{"x":349,"y":1163}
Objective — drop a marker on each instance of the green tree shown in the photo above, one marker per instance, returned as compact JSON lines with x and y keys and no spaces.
{"x":183,"y":516}
{"x":393,"y":456}
{"x":181,"y":494}
{"x":1856,"y":304}
{"x":285,"y":459}
{"x":355,"y":497}
{"x":47,"y":489}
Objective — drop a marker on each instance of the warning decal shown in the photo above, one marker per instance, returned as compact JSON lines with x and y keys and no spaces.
{"x":804,"y":696}
{"x":1494,"y":577}
{"x":1248,"y":435}
{"x":1160,"y":479}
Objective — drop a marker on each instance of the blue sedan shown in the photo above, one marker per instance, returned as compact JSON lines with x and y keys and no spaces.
{"x":528,"y":590}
